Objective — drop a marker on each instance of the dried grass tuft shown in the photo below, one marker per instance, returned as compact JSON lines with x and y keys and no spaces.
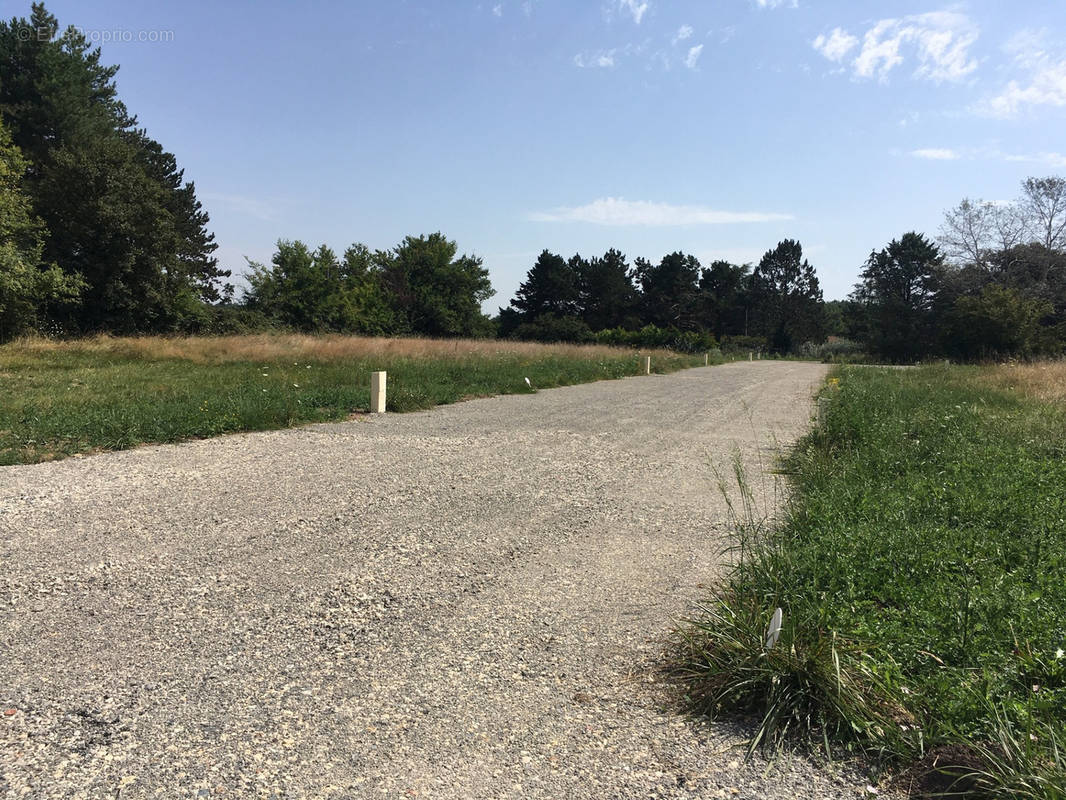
{"x":1041,"y":380}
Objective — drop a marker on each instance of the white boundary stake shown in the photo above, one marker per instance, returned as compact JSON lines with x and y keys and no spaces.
{"x":377,"y":392}
{"x":706,"y":359}
{"x":647,"y":365}
{"x":751,"y":356}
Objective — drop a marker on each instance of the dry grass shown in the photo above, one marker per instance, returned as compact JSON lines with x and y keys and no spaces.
{"x":105,"y":393}
{"x":1041,"y":380}
{"x":281,"y":347}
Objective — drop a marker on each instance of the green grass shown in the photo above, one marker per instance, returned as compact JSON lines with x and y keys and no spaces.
{"x":110,"y":394}
{"x":922,"y":573}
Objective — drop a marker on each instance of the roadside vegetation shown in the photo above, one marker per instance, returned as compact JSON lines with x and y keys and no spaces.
{"x":104,"y":393}
{"x":921,"y":570}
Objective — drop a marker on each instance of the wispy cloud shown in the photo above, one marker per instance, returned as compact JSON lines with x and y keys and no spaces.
{"x":497,"y":10}
{"x":693,"y":56}
{"x":617,"y":211}
{"x":1044,"y":83}
{"x":635,"y":9}
{"x":1056,"y":160}
{"x":777,"y":3}
{"x":986,"y":153}
{"x":836,"y":45}
{"x":602,"y":59}
{"x":938,"y":41}
{"x":936,"y":154}
{"x":683,"y":33}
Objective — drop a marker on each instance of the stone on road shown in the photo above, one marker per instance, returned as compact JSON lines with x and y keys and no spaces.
{"x":466,"y":602}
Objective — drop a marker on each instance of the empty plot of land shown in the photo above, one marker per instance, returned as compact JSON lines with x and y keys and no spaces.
{"x":464,"y":602}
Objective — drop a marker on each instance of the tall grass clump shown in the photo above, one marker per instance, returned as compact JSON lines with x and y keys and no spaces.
{"x":921,"y":571}
{"x":61,"y":398}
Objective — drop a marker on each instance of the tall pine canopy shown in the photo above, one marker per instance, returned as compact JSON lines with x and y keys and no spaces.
{"x":788,"y":297}
{"x":116,"y":208}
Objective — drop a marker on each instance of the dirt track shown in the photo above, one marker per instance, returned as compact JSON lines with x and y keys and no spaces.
{"x":465,"y":602}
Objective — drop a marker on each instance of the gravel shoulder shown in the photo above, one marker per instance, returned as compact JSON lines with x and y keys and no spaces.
{"x":465,"y":602}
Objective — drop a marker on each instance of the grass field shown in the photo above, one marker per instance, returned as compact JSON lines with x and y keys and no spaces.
{"x":62,"y":398}
{"x":922,"y":575}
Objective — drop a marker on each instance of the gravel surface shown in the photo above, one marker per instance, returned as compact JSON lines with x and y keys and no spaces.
{"x":469,"y":602}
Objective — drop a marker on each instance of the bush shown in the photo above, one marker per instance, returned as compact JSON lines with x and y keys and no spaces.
{"x":651,"y":336}
{"x":835,"y":350}
{"x":743,"y":344}
{"x":553,"y":328}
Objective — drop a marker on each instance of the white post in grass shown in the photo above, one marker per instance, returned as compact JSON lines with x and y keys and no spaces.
{"x":377,"y":392}
{"x":751,"y":356}
{"x":706,"y":359}
{"x":647,"y":365}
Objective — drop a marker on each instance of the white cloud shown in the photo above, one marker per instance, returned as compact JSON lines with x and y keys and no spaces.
{"x":940,"y":41}
{"x":1044,"y":85}
{"x":777,"y":3}
{"x":837,"y":45}
{"x":1056,"y":160}
{"x":693,"y":56}
{"x":684,"y":32}
{"x":497,"y":10}
{"x":636,"y":9}
{"x":603,"y":59}
{"x":987,"y":153}
{"x":936,"y":154}
{"x":617,"y":211}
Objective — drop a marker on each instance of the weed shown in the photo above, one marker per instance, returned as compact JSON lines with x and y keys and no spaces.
{"x":921,"y":568}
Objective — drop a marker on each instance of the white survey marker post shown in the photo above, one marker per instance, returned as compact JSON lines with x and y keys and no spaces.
{"x":647,"y":365}
{"x":377,"y":392}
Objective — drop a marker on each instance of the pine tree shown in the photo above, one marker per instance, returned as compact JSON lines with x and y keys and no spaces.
{"x":668,"y":290}
{"x":115,"y":204}
{"x":787,"y":298}
{"x":550,"y":287}
{"x":608,"y":298}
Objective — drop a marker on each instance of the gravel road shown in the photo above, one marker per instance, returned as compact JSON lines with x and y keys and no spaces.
{"x":468,"y":602}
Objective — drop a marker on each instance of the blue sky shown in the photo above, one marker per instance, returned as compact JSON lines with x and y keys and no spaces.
{"x":714,"y":127}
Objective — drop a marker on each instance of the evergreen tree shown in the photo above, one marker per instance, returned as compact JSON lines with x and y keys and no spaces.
{"x":606,"y":294}
{"x":669,"y":290}
{"x":897,"y":293}
{"x":550,"y":287}
{"x":547,"y":304}
{"x":787,"y":298}
{"x":116,"y":207}
{"x":722,"y":298}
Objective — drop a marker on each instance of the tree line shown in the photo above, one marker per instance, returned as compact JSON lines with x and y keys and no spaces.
{"x":778,"y":303}
{"x":992,"y":285}
{"x":100,"y":232}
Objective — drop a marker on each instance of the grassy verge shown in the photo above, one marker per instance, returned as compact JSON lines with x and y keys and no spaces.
{"x":61,"y":398}
{"x":922,"y":574}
